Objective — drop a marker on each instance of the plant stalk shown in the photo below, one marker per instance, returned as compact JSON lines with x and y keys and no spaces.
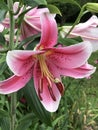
{"x":11,"y":47}
{"x":12,"y":24}
{"x":77,"y":20}
{"x":13,"y":111}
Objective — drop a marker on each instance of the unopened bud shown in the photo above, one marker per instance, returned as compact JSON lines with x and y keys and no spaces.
{"x":92,"y":7}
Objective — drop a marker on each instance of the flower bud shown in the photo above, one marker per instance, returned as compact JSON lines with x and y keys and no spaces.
{"x":92,"y":7}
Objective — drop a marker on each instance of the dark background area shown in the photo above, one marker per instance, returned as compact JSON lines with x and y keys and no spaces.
{"x":71,"y":11}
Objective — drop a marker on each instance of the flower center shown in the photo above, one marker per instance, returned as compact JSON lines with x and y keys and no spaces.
{"x":48,"y":76}
{"x":44,"y":69}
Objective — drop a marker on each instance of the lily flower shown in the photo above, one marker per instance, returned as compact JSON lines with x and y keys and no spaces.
{"x":87,"y":31}
{"x":46,"y":64}
{"x":31,"y":22}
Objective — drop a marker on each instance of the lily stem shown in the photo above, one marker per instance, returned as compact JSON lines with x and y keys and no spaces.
{"x":77,"y":20}
{"x":12,"y":24}
{"x":13,"y":111}
{"x":11,"y":47}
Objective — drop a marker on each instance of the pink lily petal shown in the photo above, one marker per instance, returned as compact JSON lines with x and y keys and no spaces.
{"x":94,"y":44}
{"x":6,"y":23}
{"x":28,"y":30}
{"x":80,"y":72}
{"x":91,"y":34}
{"x":31,"y":24}
{"x":71,"y":56}
{"x":45,"y":96}
{"x":20,"y":61}
{"x":14,"y":83}
{"x":34,"y":23}
{"x":49,"y":31}
{"x":92,"y":22}
{"x":33,"y":17}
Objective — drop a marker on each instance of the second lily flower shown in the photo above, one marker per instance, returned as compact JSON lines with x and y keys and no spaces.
{"x":88,"y":31}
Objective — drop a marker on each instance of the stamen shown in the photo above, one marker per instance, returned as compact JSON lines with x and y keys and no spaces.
{"x":49,"y":81}
{"x":51,"y":93}
{"x":45,"y":73}
{"x":40,"y":88}
{"x":44,"y":69}
{"x":41,"y":85}
{"x":39,"y":94}
{"x":59,"y":85}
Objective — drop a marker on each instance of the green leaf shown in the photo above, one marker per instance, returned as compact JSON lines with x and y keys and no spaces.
{"x":28,"y":40}
{"x":3,"y":113}
{"x":3,"y":5}
{"x":2,"y":14}
{"x":35,"y":104}
{"x":69,"y":41}
{"x":40,"y":2}
{"x":64,"y":2}
{"x":3,"y":66}
{"x":26,"y":121}
{"x":5,"y":31}
{"x":53,"y":9}
{"x":2,"y":39}
{"x":32,"y":44}
{"x":3,"y":10}
{"x":2,"y":58}
{"x":34,"y":3}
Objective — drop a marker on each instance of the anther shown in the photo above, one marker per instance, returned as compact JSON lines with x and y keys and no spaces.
{"x":60,"y":86}
{"x":41,"y":85}
{"x":51,"y":93}
{"x":39,"y":94}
